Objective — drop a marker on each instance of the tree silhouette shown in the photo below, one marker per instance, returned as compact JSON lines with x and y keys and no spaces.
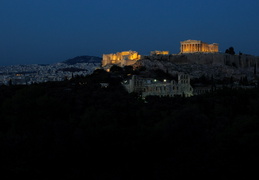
{"x":116,"y":68}
{"x":230,"y":51}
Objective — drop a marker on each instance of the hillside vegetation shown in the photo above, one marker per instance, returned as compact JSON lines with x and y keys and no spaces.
{"x":77,"y":129}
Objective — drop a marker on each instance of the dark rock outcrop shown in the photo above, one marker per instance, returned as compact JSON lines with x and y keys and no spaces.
{"x":199,"y":64}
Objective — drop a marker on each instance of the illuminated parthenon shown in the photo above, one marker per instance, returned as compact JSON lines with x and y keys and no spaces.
{"x":193,"y":46}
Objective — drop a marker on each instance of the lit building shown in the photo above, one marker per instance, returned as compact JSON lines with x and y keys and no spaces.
{"x":194,"y":46}
{"x":124,"y":58}
{"x":153,"y":53}
{"x":153,"y":87}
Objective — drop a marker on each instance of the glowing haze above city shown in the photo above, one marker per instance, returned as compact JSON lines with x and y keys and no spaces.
{"x":47,"y":31}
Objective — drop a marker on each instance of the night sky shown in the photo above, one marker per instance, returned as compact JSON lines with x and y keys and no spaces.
{"x":50,"y":31}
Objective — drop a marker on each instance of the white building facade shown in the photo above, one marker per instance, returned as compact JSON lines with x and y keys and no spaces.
{"x":153,"y":87}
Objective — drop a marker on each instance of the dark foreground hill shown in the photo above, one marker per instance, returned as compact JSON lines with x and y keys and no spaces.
{"x":78,"y":130}
{"x":83,"y":59}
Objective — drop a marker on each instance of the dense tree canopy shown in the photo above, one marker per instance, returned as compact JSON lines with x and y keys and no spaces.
{"x":78,"y":129}
{"x":230,"y":51}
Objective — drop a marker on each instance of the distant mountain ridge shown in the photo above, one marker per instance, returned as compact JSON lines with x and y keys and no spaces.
{"x":83,"y":59}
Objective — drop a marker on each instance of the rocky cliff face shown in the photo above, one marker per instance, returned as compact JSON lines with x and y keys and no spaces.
{"x":240,"y":61}
{"x":196,"y":65}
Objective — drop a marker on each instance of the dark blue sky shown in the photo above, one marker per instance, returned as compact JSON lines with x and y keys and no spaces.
{"x":49,"y":31}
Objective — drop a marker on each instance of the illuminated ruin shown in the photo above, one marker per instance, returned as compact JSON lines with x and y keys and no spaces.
{"x":194,"y":46}
{"x":124,"y":58}
{"x":127,"y":58}
{"x":152,"y":87}
{"x":153,"y":53}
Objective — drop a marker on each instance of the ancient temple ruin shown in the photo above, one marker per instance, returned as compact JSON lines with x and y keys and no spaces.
{"x":194,"y":46}
{"x":152,"y":87}
{"x":124,"y":58}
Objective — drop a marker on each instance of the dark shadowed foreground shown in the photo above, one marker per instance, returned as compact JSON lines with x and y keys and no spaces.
{"x":77,"y":129}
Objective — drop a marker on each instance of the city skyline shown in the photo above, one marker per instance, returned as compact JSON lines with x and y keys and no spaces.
{"x":45,"y":32}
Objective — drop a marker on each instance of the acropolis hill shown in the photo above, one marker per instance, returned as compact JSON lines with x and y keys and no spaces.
{"x":126,"y":58}
{"x":196,"y":58}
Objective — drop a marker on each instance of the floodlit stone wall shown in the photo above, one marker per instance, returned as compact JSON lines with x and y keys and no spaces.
{"x":124,"y":58}
{"x":153,"y":53}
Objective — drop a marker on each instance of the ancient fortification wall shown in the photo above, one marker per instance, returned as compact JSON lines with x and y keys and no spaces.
{"x":239,"y":61}
{"x":198,"y":64}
